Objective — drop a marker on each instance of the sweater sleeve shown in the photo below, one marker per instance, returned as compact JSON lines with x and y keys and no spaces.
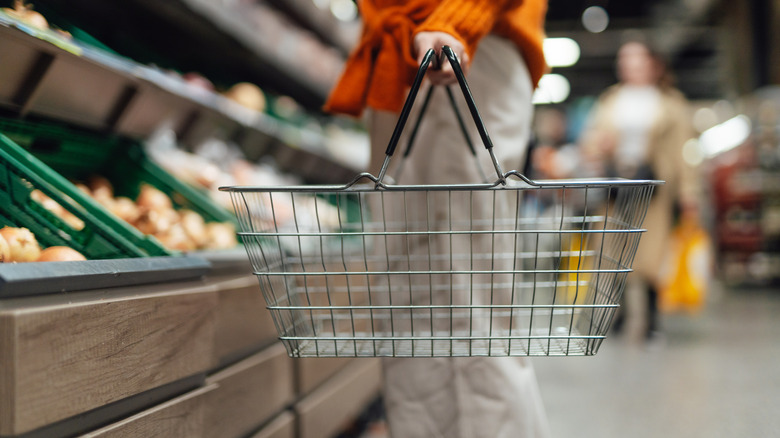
{"x":466,"y":20}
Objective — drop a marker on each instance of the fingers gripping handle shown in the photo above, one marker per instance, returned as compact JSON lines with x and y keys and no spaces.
{"x":430,"y":56}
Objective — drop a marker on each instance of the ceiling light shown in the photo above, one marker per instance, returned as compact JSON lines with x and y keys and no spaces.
{"x":553,"y":88}
{"x":561,"y":52}
{"x":595,"y":19}
{"x":726,"y":136}
{"x":344,"y":10}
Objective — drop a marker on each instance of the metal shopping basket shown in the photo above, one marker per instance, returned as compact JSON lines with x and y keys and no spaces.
{"x":513,"y":267}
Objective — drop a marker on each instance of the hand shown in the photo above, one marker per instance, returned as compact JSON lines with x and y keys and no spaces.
{"x":436,"y":40}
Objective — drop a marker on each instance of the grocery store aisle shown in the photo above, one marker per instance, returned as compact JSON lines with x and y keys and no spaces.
{"x":715,"y":375}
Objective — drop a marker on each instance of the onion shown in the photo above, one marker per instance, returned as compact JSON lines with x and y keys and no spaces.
{"x":60,"y":254}
{"x":156,"y":221}
{"x":24,"y":13}
{"x":195,"y":227}
{"x":47,"y":203}
{"x":24,"y":247}
{"x":176,"y":238}
{"x":247,"y":95}
{"x":72,"y":220}
{"x":83,"y":188}
{"x":5,"y":251}
{"x":57,"y":209}
{"x":101,"y":188}
{"x":124,"y":208}
{"x":153,"y":199}
{"x":221,"y":235}
{"x":35,"y":19}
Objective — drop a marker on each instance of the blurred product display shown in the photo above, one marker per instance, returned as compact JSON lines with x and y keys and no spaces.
{"x":745,"y":178}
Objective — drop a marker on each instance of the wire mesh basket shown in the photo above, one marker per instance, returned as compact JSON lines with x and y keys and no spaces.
{"x":510,"y":268}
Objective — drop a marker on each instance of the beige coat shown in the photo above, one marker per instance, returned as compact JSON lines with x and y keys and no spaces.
{"x":670,"y":130}
{"x":458,"y":397}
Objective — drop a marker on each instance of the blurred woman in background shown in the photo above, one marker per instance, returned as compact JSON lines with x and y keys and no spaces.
{"x":637,"y":130}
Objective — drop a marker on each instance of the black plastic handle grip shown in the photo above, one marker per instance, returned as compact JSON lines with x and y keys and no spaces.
{"x":464,"y":87}
{"x":399,"y":127}
{"x":430,"y":55}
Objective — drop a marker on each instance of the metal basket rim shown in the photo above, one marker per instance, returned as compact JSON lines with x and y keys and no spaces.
{"x":518,"y":182}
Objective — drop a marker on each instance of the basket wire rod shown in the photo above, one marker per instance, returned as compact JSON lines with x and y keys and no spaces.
{"x":466,"y":135}
{"x":446,"y":287}
{"x":579,"y":265}
{"x":389,"y":284}
{"x":452,"y":292}
{"x":471,"y":268}
{"x":446,"y":272}
{"x":430,"y":261}
{"x":404,"y":115}
{"x":558,"y":261}
{"x":514,"y":267}
{"x":365,"y":261}
{"x":268,"y":292}
{"x":281,"y":257}
{"x":493,"y":275}
{"x":409,"y":264}
{"x":424,"y":233}
{"x":322,"y":258}
{"x":598,"y":318}
{"x":352,"y":256}
{"x":303,"y":268}
{"x":413,"y":134}
{"x":324,"y":268}
{"x":451,"y":306}
{"x":534,"y":270}
{"x":618,"y":281}
{"x":447,"y":338}
{"x":343,"y":261}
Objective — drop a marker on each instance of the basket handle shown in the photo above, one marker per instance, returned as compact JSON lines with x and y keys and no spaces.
{"x":430,"y":56}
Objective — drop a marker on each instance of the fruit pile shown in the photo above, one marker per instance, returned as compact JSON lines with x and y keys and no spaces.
{"x":152,"y":213}
{"x":18,"y":245}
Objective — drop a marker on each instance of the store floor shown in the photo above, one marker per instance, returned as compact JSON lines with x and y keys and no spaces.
{"x":714,"y":375}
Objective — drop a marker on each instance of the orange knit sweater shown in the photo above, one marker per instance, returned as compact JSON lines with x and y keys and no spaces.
{"x":382,"y":66}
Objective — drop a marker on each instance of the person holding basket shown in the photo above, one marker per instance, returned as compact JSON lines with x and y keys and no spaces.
{"x":499,"y":46}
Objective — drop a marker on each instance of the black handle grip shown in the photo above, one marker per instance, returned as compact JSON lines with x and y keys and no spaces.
{"x":464,"y":87}
{"x":399,"y":127}
{"x":430,"y":56}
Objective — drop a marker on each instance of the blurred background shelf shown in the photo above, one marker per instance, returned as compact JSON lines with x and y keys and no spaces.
{"x":226,"y":41}
{"x":56,"y":78}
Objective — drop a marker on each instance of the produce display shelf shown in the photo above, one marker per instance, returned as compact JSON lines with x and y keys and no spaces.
{"x":27,"y":279}
{"x":46,"y":75}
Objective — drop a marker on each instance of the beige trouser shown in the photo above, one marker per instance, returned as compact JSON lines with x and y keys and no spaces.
{"x":468,"y":397}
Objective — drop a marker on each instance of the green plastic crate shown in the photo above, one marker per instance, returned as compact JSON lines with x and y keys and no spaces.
{"x":77,"y":154}
{"x":103,"y":235}
{"x":45,"y":156}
